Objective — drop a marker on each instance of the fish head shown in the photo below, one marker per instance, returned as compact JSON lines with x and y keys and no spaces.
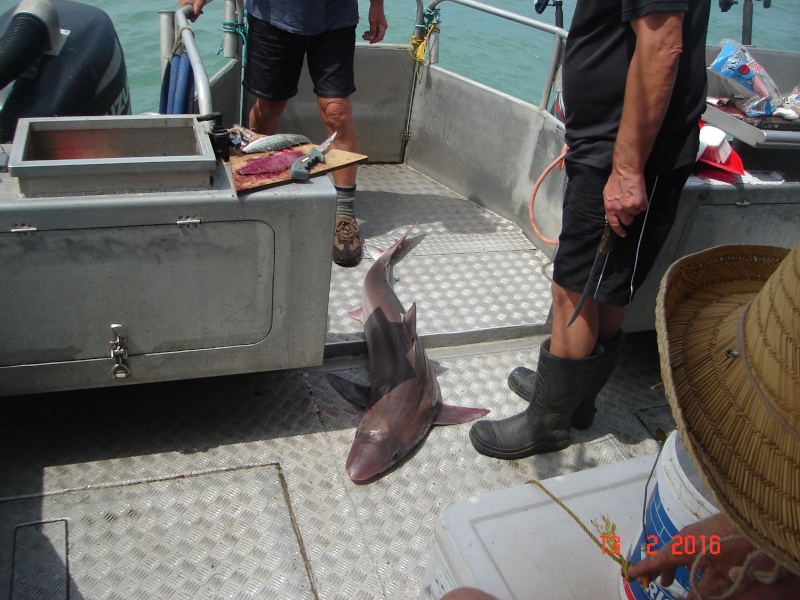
{"x":374,"y":450}
{"x":390,"y":429}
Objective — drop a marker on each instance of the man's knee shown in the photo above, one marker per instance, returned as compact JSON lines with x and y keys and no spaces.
{"x":336,"y":112}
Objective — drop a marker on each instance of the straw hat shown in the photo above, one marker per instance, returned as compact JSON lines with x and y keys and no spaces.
{"x":728,"y":324}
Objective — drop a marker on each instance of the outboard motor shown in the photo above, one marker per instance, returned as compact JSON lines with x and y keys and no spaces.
{"x":59,"y":58}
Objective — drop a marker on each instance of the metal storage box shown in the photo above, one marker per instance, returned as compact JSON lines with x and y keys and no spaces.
{"x":98,"y":154}
{"x":113,"y":286}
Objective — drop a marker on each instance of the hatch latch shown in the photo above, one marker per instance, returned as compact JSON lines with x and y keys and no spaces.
{"x":119,"y":352}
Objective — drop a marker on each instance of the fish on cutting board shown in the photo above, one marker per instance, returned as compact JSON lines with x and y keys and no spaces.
{"x":273,"y":164}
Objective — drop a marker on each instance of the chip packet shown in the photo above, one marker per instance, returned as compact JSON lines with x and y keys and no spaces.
{"x":754,"y":92}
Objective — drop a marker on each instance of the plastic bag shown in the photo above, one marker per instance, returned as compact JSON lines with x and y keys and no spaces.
{"x":758,"y":94}
{"x":791,"y":103}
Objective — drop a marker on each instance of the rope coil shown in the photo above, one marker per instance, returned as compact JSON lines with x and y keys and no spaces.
{"x":178,"y":46}
{"x":430,"y":21}
{"x":239,"y":29}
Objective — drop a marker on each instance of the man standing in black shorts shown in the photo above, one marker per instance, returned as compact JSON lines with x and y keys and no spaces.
{"x":280,"y":33}
{"x":634,"y":78}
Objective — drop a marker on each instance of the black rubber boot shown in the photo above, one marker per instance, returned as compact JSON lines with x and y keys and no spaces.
{"x":544,"y":426}
{"x":522,"y":380}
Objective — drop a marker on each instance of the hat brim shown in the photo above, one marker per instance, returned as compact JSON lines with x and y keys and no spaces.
{"x":753,"y":475}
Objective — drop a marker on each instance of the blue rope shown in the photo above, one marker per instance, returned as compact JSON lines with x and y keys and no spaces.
{"x":430,"y":16}
{"x":241,"y":30}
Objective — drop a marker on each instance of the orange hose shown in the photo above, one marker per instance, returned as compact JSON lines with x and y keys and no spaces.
{"x":559,"y":163}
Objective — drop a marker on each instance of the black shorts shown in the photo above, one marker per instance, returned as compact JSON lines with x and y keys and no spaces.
{"x":582,"y":224}
{"x":275,"y":60}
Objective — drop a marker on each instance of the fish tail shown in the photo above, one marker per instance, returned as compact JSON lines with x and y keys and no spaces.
{"x":404,"y":244}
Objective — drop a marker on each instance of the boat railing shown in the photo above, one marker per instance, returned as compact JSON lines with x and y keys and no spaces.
{"x":174,"y":23}
{"x":422,"y":29}
{"x":171,"y":24}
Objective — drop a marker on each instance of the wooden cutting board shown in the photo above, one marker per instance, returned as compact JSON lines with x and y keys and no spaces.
{"x":334,"y":159}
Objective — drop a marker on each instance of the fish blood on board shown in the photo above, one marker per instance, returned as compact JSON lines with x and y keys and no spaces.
{"x":272,"y":164}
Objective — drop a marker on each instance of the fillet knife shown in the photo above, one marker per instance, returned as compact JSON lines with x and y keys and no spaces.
{"x":301,"y":167}
{"x":606,"y":246}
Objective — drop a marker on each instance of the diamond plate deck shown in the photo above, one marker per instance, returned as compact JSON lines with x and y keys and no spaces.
{"x":473,"y":271}
{"x":234,"y":487}
{"x":180,"y":537}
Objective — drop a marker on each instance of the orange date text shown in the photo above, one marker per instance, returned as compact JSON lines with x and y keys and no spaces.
{"x":687,"y":544}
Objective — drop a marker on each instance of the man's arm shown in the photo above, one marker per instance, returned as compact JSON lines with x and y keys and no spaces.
{"x":651,"y":76}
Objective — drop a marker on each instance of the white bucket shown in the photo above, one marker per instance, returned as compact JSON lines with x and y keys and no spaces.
{"x":679,"y":498}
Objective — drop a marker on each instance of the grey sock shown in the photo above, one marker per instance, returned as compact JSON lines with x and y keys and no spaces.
{"x":344,"y":201}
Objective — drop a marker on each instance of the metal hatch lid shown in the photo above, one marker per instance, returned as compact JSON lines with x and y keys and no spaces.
{"x":171,"y":288}
{"x":103,"y":154}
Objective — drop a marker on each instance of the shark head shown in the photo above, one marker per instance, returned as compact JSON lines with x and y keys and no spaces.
{"x":373,"y":451}
{"x":390,"y":429}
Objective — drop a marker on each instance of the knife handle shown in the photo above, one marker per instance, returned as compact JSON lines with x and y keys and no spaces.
{"x":301,"y":167}
{"x":608,"y":239}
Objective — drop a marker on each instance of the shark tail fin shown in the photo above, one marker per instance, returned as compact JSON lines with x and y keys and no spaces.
{"x":405,"y":244}
{"x":400,"y":248}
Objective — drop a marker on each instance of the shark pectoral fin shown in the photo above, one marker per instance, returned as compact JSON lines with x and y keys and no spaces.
{"x":357,"y":314}
{"x":354,"y":393}
{"x":453,"y":415}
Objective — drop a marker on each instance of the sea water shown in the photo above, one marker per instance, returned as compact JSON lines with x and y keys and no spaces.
{"x":502,"y":54}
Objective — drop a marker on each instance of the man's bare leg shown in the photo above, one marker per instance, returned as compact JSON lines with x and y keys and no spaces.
{"x":265,"y":114}
{"x":337,"y":114}
{"x":595,"y":320}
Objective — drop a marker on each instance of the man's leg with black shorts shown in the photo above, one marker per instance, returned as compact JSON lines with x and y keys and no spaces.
{"x":274,"y":63}
{"x":577,"y":361}
{"x":330,"y":63}
{"x":583,"y":221}
{"x":271,"y":73}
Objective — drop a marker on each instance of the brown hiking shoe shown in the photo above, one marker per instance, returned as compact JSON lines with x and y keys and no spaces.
{"x":346,"y":242}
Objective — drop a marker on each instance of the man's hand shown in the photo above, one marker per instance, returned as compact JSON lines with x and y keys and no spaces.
{"x":624,"y":197}
{"x":377,"y":22}
{"x":197,"y":5}
{"x":716,"y":564}
{"x":669,"y":559}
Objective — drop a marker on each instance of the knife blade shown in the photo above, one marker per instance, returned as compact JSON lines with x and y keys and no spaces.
{"x":606,"y":246}
{"x":301,"y":167}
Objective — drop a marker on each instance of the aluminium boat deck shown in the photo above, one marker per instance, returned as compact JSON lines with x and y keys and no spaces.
{"x":234,"y":487}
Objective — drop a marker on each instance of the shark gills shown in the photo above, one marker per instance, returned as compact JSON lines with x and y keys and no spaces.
{"x":403,"y":402}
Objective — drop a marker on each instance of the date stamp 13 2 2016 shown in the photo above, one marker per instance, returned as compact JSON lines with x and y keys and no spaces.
{"x":681,"y":544}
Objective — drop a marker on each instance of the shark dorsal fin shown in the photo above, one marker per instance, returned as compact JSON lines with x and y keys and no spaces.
{"x":410,"y":319}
